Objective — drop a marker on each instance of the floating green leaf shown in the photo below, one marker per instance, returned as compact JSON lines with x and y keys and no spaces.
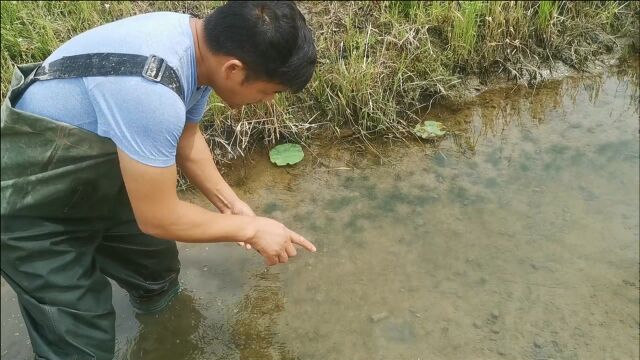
{"x":286,"y":154}
{"x":429,"y":129}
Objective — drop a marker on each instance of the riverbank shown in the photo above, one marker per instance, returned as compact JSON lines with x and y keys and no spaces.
{"x":380,"y":63}
{"x":483,"y":114}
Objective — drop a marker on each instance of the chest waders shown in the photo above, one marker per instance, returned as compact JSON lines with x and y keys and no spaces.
{"x":67,"y":221}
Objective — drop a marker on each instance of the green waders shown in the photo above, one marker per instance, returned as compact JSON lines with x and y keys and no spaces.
{"x":66,"y":223}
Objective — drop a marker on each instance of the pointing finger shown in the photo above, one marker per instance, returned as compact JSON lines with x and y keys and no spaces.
{"x":298,"y":239}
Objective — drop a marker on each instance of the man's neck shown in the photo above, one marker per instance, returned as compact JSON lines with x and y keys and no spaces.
{"x":197,"y":28}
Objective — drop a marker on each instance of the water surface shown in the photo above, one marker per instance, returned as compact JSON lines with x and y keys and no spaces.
{"x":516,"y":238}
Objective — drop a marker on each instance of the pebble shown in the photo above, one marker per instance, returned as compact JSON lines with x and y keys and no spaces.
{"x":476,"y":324}
{"x":379,"y":317}
{"x":415,"y":312}
{"x":537,"y":343}
{"x":495,"y":314}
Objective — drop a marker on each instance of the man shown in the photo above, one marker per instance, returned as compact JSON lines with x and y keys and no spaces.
{"x":90,"y":144}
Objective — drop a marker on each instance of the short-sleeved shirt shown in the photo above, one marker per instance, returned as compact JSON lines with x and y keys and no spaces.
{"x":143,"y":118}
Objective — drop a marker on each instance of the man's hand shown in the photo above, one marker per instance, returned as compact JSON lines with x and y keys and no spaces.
{"x":239,"y":207}
{"x":275,"y":242}
{"x":272,"y":239}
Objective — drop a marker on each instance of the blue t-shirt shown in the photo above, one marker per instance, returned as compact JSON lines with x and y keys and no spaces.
{"x":143,"y":118}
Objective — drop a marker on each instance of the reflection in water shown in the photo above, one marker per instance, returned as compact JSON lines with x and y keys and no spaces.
{"x":170,"y":334}
{"x":254,"y":319}
{"x":628,"y":73}
{"x":493,"y":112}
{"x":190,"y":330}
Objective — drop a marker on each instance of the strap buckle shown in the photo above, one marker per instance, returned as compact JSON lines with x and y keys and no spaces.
{"x":154,"y":68}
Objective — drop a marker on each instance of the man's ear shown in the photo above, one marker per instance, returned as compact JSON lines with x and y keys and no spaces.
{"x":233,"y":69}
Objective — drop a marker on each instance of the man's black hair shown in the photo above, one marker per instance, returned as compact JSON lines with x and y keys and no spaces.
{"x":271,"y":39}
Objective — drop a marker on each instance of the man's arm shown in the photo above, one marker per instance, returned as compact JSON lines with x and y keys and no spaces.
{"x":195,"y":160}
{"x":159,"y":212}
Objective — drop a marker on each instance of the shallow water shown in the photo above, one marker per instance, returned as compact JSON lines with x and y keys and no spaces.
{"x":515,"y":239}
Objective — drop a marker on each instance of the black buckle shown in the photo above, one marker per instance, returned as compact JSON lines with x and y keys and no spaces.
{"x":154,"y":68}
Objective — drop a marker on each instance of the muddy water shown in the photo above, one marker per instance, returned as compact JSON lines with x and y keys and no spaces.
{"x":515,"y":238}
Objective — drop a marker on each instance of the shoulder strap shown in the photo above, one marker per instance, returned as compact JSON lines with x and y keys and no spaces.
{"x":152,"y":68}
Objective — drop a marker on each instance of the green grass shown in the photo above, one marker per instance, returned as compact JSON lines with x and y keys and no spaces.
{"x":380,"y":63}
{"x":546,"y":14}
{"x":465,"y":28}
